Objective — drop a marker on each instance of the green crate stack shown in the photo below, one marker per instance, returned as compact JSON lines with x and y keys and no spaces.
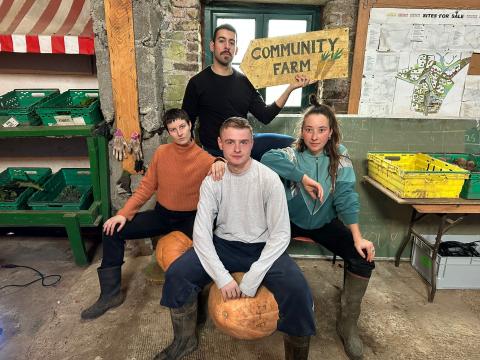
{"x":78,"y":179}
{"x":20,"y":104}
{"x":24,"y":176}
{"x":73,"y":107}
{"x":471,"y":187}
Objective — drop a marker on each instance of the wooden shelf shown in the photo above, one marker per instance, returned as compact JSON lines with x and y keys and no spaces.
{"x":71,"y":220}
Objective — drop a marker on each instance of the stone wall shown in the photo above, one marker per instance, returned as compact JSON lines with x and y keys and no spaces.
{"x":168,"y":53}
{"x":181,"y":29}
{"x":97,"y":12}
{"x":340,"y":13}
{"x":148,"y":21}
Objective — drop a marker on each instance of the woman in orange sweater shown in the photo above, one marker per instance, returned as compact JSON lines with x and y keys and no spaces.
{"x":174,"y":175}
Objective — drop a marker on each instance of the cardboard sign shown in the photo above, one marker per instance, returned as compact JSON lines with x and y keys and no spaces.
{"x":318,"y":55}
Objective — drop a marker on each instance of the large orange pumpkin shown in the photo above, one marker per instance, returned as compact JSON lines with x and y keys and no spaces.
{"x":170,"y":247}
{"x":244,"y":318}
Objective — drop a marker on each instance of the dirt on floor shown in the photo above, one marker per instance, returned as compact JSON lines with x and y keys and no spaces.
{"x":44,"y":323}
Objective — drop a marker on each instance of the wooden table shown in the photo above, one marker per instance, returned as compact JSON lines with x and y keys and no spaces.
{"x":450,"y":213}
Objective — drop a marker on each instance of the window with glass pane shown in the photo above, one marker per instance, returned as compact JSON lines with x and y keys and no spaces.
{"x":281,"y":28}
{"x":261,"y":22}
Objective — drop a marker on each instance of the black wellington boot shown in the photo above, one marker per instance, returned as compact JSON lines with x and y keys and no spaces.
{"x":202,"y":307}
{"x":296,"y":347}
{"x":351,"y":299}
{"x":110,"y":294}
{"x":184,"y":322}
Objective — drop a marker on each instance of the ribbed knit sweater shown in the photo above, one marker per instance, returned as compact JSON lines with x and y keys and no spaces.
{"x":175,"y":174}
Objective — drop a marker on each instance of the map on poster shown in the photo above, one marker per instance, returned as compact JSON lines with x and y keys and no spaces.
{"x":416,"y":63}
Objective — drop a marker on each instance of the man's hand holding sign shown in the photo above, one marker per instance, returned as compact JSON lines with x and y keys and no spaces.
{"x":315,"y":55}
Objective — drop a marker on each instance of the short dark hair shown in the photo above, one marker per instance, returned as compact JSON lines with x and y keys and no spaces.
{"x":174,"y":114}
{"x":223,"y":27}
{"x":237,"y":123}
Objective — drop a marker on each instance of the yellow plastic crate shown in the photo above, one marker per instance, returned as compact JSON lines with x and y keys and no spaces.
{"x":416,"y":175}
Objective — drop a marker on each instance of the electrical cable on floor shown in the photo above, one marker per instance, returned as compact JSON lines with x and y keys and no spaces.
{"x":42,"y":277}
{"x":456,"y":248}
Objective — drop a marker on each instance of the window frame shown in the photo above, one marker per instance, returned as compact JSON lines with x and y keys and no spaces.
{"x":262,"y":13}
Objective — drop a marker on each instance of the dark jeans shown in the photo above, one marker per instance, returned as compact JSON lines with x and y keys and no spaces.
{"x":337,"y":238}
{"x":186,"y":277}
{"x":145,"y":224}
{"x":261,"y":144}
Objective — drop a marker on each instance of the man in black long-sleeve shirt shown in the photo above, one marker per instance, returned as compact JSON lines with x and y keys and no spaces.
{"x":219,"y":92}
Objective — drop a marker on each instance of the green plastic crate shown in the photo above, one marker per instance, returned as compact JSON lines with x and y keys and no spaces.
{"x":20,"y":104}
{"x":47,"y":199}
{"x":471,"y":187}
{"x":24,"y":174}
{"x":73,"y":107}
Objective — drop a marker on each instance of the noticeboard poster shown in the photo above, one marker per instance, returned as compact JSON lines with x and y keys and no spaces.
{"x":416,"y":63}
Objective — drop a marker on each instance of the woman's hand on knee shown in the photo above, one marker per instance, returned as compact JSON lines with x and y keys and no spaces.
{"x":109,"y":225}
{"x":363,"y":245}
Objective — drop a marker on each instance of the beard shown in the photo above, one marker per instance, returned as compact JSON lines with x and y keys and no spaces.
{"x":222,"y":60}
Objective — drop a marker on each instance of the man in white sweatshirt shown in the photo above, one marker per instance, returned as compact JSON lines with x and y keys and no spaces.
{"x":251,"y":235}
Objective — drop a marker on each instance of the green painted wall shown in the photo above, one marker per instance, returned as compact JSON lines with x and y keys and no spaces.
{"x":383,"y":221}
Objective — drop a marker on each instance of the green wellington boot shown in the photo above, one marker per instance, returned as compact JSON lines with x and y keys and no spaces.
{"x":184,"y":322}
{"x":351,"y":300}
{"x":296,"y":347}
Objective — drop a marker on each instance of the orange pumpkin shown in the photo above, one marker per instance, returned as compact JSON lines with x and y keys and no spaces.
{"x":244,"y":318}
{"x":170,"y":247}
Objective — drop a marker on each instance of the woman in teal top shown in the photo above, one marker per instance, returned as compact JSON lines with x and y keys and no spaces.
{"x":323,"y":205}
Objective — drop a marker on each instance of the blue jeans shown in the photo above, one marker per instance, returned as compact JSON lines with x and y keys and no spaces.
{"x":261,"y":144}
{"x":186,"y":277}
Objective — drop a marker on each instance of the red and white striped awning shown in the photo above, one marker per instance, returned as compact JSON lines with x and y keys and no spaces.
{"x":46,"y":26}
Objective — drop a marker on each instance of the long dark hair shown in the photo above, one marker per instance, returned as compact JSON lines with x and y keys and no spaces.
{"x":331,"y":147}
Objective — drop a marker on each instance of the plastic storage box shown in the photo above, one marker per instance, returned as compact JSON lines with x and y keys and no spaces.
{"x":471,"y":187}
{"x":50,"y":197}
{"x":20,"y":104}
{"x":73,"y":107}
{"x":454,"y":272}
{"x":22,"y":174}
{"x":416,"y":175}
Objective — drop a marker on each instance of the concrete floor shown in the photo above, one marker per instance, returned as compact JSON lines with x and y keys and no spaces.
{"x":44,"y":322}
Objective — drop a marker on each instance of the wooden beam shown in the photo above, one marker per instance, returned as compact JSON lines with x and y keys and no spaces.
{"x":448,"y":209}
{"x":474,"y":68}
{"x":121,"y":46}
{"x":358,"y":56}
